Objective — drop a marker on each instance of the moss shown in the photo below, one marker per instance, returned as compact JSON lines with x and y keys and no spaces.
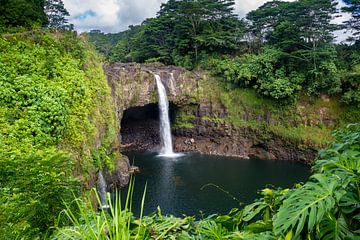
{"x":182,"y":125}
{"x":154,"y":97}
{"x":214,"y":119}
{"x":185,"y":117}
{"x":350,"y":114}
{"x":288,"y":119}
{"x":311,"y":136}
{"x":135,"y":97}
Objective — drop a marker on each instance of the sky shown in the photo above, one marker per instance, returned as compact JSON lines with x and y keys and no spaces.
{"x":117,"y":15}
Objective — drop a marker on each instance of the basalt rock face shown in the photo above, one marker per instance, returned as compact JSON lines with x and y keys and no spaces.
{"x":210,"y":135}
{"x":133,"y":87}
{"x":225,"y":140}
{"x":134,"y":91}
{"x":121,"y":176}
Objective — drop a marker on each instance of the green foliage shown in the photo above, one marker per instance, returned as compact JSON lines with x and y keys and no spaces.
{"x":295,"y":120}
{"x":182,"y":33}
{"x":27,"y":14}
{"x":34,"y":189}
{"x":307,"y":204}
{"x":50,"y":122}
{"x":259,"y":71}
{"x":56,"y":14}
{"x":351,"y":83}
{"x":284,"y":23}
{"x":295,"y":51}
{"x":325,"y":207}
{"x":266,"y":72}
{"x":185,"y":118}
{"x":105,"y":43}
{"x":117,"y":222}
{"x":22,"y":13}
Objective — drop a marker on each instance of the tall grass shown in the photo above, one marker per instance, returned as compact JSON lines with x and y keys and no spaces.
{"x":114,"y":222}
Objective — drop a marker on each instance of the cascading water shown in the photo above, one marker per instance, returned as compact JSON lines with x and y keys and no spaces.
{"x":165,"y":131}
{"x":102,"y":190}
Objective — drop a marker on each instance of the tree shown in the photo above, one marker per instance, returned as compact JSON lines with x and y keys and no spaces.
{"x":304,"y":32}
{"x":304,"y":22}
{"x":22,"y":13}
{"x":56,"y":13}
{"x":208,"y":25}
{"x":125,"y":48}
{"x":353,"y":7}
{"x":184,"y":31}
{"x":104,"y":42}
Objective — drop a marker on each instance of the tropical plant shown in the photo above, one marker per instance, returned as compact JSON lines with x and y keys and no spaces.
{"x":325,"y":207}
{"x":328,"y":205}
{"x":110,"y":220}
{"x":50,"y":87}
{"x":260,"y":72}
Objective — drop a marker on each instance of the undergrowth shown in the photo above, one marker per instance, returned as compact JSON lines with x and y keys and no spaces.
{"x":325,"y":207}
{"x":51,"y":120}
{"x":306,"y":120}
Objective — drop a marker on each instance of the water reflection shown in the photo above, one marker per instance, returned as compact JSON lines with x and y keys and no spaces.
{"x":175,"y":184}
{"x":166,"y":188}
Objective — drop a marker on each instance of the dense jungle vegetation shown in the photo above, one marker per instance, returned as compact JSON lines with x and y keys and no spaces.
{"x":279,"y":49}
{"x":51,"y":122}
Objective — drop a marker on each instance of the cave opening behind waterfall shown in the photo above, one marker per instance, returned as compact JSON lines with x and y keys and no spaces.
{"x":140,"y":127}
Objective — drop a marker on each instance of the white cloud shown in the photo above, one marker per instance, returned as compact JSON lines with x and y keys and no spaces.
{"x":106,"y":14}
{"x":111,"y":15}
{"x":117,"y":15}
{"x":244,"y":6}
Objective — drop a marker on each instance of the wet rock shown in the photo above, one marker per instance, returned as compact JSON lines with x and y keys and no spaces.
{"x":133,"y":85}
{"x":134,"y":170}
{"x":243,"y":143}
{"x":120,"y":176}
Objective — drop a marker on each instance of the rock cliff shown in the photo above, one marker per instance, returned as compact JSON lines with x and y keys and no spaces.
{"x":200,"y":121}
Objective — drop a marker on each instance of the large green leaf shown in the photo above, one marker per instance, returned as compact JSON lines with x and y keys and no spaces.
{"x":307,"y":205}
{"x":350,"y":202}
{"x":332,"y":228}
{"x":252,"y":210}
{"x":248,"y":235}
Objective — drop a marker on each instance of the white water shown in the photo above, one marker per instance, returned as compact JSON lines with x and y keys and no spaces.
{"x":102,"y":190}
{"x":165,"y":131}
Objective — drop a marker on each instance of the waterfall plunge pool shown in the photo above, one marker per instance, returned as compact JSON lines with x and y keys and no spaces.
{"x":177,"y":185}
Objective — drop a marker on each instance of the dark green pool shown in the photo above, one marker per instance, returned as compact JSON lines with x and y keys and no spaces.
{"x":175,"y":184}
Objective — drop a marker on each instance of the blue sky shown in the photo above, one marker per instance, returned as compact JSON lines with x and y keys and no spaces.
{"x":117,"y":15}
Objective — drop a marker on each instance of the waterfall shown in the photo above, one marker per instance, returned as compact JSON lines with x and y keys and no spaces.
{"x":165,"y":131}
{"x":102,"y":190}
